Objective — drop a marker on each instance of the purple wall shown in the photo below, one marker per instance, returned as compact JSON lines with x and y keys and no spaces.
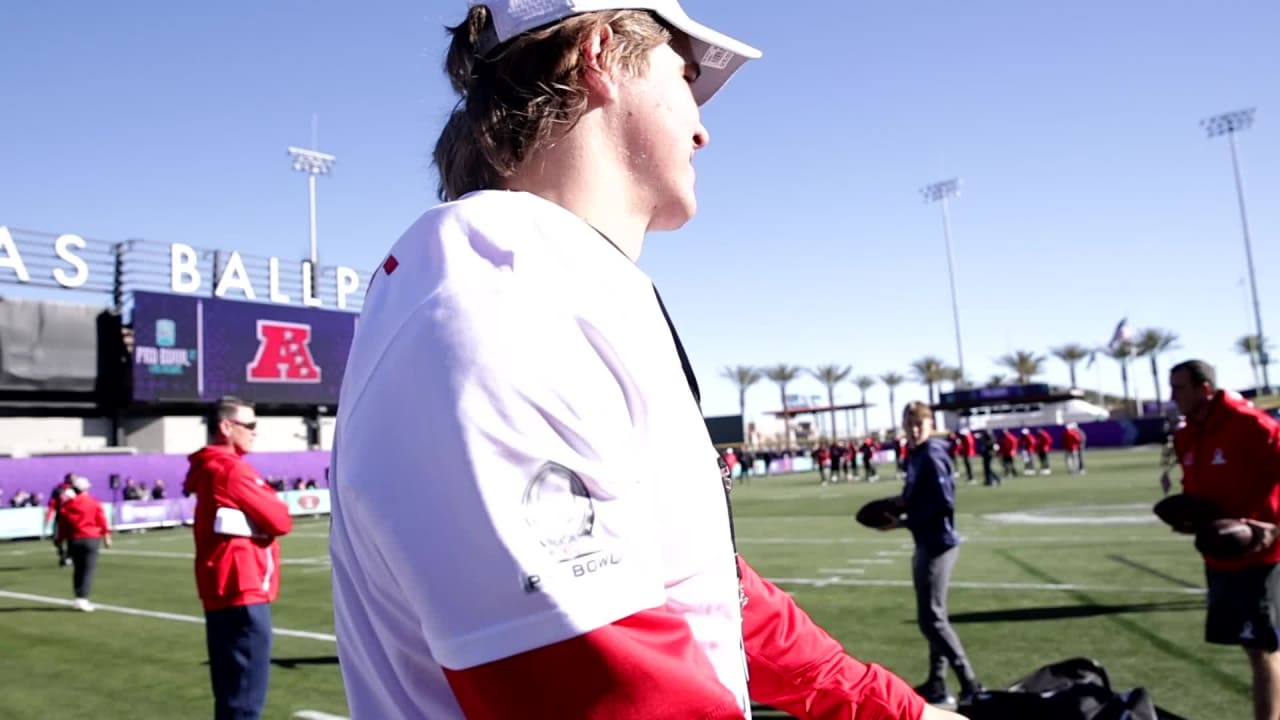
{"x":40,"y":474}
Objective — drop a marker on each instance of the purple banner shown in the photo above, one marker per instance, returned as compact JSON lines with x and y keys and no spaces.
{"x":39,"y":475}
{"x":192,"y":349}
{"x":153,"y":513}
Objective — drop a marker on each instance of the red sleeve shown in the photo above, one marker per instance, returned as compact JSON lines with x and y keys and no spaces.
{"x":259,"y":503}
{"x":643,"y":667}
{"x":796,"y":667}
{"x":100,"y":519}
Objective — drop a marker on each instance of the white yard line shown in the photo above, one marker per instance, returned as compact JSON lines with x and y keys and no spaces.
{"x":1011,"y":539}
{"x":284,"y":632}
{"x":317,"y":715}
{"x":1048,"y":587}
{"x":191,"y":556}
{"x":842,"y":571}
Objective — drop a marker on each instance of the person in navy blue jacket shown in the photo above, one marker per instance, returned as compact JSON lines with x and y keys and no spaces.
{"x":929,"y":499}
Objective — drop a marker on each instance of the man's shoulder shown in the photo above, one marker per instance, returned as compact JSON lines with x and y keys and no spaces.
{"x":491,"y":220}
{"x":1246,"y":420}
{"x":937,"y":448}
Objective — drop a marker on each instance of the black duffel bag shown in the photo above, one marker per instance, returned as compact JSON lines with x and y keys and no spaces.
{"x":1075,"y":689}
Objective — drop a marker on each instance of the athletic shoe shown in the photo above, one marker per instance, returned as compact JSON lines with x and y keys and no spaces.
{"x":935,"y":692}
{"x":82,"y":605}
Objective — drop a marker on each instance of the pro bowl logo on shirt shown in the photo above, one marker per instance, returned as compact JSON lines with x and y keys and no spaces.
{"x":558,"y":508}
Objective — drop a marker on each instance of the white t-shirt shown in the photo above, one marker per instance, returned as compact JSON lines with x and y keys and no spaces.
{"x":518,"y":459}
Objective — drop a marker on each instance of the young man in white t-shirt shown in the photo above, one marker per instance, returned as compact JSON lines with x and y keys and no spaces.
{"x":497,"y":551}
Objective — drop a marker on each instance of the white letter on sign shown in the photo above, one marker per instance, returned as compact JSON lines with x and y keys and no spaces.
{"x":348,"y":283}
{"x":62,"y":246}
{"x":273,"y":282}
{"x":184,"y":276}
{"x":234,"y":275}
{"x":308,"y":290}
{"x":11,"y":258}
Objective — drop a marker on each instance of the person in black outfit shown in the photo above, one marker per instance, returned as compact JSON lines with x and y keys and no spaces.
{"x":928,"y":497}
{"x":987,"y":448}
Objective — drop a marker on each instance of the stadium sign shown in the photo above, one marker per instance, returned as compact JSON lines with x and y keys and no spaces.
{"x":70,"y":261}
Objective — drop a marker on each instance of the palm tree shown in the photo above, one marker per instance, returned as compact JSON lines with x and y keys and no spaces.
{"x":929,"y":371}
{"x":1071,"y":354}
{"x":831,"y":375}
{"x":1249,"y":345}
{"x":892,"y":380}
{"x":953,"y":376}
{"x":996,"y":381}
{"x":1152,"y":343}
{"x":864,"y":383}
{"x":744,"y":376}
{"x":783,"y":375}
{"x":1024,"y":363}
{"x":1121,"y":352}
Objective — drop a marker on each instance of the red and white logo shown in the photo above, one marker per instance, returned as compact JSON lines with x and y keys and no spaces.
{"x":308,"y":502}
{"x":284,"y":354}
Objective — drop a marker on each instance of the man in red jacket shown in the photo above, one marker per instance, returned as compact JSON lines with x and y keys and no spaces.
{"x":1044,"y":443}
{"x":1073,"y":446}
{"x":238,"y":518}
{"x":1230,"y":456}
{"x":82,"y":526}
{"x":51,"y":516}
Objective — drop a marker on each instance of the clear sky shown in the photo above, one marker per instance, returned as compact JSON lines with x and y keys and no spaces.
{"x":1089,"y":190}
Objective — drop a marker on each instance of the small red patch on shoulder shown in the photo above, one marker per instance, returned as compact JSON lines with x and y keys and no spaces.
{"x":389,"y":266}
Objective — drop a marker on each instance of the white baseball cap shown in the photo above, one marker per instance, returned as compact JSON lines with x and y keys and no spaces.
{"x":719,"y":56}
{"x":80,"y":483}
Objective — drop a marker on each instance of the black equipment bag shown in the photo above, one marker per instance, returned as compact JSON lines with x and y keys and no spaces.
{"x":1074,"y":689}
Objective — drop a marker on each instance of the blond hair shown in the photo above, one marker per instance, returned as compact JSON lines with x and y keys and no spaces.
{"x":917,"y":411}
{"x":520,"y":97}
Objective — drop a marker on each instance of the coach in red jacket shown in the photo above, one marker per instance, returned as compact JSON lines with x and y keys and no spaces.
{"x":82,"y":526}
{"x":1230,"y":456}
{"x":238,"y":518}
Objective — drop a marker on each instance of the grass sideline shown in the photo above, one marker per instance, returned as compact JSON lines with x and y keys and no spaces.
{"x":1052,"y":567}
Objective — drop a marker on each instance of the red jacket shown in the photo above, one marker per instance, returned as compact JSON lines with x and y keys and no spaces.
{"x":647,"y":667}
{"x":1008,"y":444}
{"x":1044,"y":441}
{"x":1232,"y":459}
{"x":1072,"y":439}
{"x":235,"y":570}
{"x":81,"y":518}
{"x":55,"y":500}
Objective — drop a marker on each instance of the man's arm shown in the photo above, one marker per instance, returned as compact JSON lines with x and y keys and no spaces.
{"x":268,"y":513}
{"x":1268,"y":469}
{"x":100,"y":518}
{"x":795,"y":666}
{"x":643,"y":667}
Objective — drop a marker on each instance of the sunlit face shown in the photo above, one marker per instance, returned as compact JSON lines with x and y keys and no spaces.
{"x":660,"y":127}
{"x":241,"y":429}
{"x":1190,"y":397}
{"x":918,"y":428}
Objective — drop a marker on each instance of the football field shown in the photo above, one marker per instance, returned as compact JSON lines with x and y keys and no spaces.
{"x":1052,"y":567}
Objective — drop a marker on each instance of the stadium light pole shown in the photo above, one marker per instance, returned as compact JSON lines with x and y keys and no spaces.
{"x":313,"y":163}
{"x":1229,"y":124}
{"x":941,"y":192}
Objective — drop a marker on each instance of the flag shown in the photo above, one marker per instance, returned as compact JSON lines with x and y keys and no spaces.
{"x":1122,"y":333}
{"x":1093,"y":357}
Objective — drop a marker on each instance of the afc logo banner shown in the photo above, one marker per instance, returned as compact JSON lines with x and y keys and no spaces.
{"x":284,"y":354}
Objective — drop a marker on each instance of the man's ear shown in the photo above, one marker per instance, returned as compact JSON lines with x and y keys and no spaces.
{"x":600,"y":80}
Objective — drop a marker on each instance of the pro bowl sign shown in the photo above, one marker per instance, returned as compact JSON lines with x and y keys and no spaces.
{"x":70,"y":261}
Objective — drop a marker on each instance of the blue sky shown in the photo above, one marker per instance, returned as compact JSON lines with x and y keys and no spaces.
{"x":1090,"y":193}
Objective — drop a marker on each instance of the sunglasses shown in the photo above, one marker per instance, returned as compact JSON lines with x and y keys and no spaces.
{"x":246,"y":425}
